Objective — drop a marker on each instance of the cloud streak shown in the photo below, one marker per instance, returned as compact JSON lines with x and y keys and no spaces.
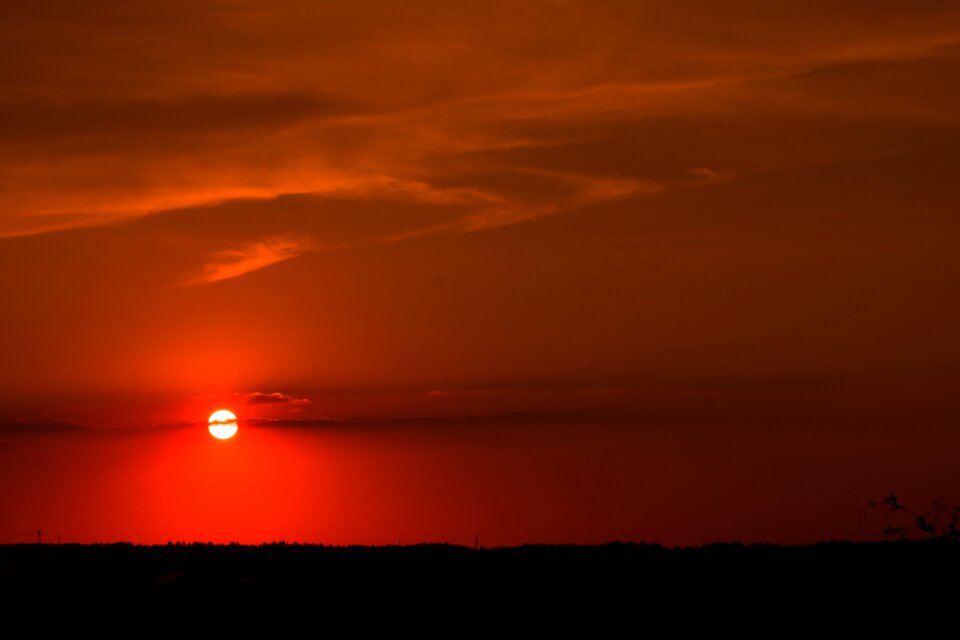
{"x":276,"y":397}
{"x":233,"y":263}
{"x":39,"y":426}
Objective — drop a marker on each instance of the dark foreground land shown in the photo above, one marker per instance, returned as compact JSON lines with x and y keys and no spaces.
{"x":881,"y":573}
{"x":837,"y":589}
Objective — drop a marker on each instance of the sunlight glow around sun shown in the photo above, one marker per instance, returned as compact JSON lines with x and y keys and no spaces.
{"x":223,"y":424}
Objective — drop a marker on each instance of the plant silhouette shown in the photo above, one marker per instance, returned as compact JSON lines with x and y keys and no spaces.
{"x":940,"y":520}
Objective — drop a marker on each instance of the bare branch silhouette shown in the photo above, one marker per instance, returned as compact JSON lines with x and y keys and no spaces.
{"x":940,"y":520}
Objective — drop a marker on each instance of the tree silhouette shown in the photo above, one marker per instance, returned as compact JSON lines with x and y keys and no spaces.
{"x":940,"y":520}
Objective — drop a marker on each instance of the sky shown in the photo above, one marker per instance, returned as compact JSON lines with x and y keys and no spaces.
{"x":551,"y":271}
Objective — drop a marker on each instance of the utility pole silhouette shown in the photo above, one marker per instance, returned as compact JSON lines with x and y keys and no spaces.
{"x":476,"y":541}
{"x":39,"y":536}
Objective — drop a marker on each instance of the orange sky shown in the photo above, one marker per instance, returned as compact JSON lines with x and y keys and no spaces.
{"x":693,"y":265}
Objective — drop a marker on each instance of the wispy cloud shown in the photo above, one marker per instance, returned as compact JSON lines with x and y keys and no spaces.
{"x":86,"y":137}
{"x":39,"y":425}
{"x":232,"y":263}
{"x":295,"y":422}
{"x":258,"y":397}
{"x":579,"y":191}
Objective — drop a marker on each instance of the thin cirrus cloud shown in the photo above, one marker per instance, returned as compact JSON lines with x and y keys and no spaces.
{"x":472,"y":209}
{"x":232,"y":263}
{"x":114,"y":143}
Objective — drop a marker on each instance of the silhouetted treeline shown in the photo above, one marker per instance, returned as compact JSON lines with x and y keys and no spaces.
{"x":441,"y":568}
{"x":586,"y":591}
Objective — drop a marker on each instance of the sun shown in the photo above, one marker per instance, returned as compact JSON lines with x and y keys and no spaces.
{"x":223,"y":424}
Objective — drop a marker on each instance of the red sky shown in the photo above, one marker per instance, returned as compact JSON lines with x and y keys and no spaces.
{"x":542,"y":271}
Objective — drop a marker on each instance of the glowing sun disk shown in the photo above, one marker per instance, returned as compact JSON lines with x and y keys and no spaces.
{"x":223,"y":424}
